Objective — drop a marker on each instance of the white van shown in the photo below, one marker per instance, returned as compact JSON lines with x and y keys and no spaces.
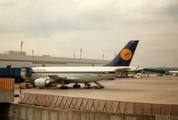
{"x":138,"y":75}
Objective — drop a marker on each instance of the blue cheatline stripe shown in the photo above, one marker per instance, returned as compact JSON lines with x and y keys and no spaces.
{"x":71,"y":72}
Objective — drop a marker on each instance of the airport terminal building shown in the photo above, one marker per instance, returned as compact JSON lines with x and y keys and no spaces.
{"x":20,"y":59}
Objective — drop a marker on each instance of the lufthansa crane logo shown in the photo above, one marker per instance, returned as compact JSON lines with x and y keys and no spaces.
{"x":126,"y":54}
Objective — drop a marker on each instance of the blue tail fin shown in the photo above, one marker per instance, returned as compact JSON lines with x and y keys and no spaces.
{"x":125,"y":56}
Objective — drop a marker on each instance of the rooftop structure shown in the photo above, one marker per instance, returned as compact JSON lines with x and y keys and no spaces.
{"x":20,"y":59}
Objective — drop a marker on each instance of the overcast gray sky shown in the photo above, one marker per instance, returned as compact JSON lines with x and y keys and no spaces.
{"x":60,"y":28}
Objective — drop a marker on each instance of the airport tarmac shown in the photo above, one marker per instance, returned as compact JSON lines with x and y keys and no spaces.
{"x":153,"y":89}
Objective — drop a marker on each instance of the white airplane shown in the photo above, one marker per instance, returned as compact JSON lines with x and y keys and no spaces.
{"x":163,"y":70}
{"x":46,"y":76}
{"x":173,"y":73}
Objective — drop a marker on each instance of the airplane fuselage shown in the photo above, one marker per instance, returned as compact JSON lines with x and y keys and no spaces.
{"x":76,"y":74}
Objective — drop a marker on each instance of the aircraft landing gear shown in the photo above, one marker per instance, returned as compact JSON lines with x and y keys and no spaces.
{"x":76,"y":86}
{"x":87,"y":86}
{"x":63,"y":87}
{"x":99,"y":86}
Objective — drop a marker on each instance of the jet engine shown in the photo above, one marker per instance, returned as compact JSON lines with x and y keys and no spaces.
{"x":42,"y":82}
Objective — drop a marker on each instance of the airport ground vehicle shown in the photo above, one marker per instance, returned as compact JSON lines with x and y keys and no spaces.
{"x":25,"y":85}
{"x":138,"y":75}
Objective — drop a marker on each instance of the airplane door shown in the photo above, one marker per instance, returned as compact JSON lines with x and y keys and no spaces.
{"x":23,"y":72}
{"x":99,"y":73}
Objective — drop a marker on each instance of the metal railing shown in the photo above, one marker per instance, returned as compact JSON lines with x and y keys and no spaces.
{"x":87,"y":104}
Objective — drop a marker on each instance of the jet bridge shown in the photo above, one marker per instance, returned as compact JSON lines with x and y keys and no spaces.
{"x":10,"y":72}
{"x":25,"y":72}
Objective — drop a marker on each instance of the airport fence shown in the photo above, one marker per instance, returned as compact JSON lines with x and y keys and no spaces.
{"x":98,"y":105}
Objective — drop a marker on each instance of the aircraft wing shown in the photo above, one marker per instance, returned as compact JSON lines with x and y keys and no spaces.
{"x":122,"y":70}
{"x":56,"y":77}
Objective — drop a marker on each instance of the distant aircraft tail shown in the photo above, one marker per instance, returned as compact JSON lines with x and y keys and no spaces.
{"x":124,"y":57}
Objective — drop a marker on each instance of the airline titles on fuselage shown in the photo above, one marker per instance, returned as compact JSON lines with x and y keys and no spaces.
{"x":39,"y":70}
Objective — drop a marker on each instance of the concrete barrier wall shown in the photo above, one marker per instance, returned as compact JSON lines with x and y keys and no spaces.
{"x":6,"y":95}
{"x":28,"y":112}
{"x":162,"y":117}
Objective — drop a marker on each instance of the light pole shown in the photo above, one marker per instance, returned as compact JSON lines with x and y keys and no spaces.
{"x":21,"y":47}
{"x":32,"y":56}
{"x":80,"y":53}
